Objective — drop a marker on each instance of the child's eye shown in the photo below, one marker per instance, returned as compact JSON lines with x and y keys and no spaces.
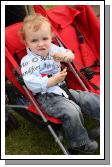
{"x":45,"y":38}
{"x":34,"y":40}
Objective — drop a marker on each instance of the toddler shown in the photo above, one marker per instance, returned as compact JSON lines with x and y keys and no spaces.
{"x":41,"y":70}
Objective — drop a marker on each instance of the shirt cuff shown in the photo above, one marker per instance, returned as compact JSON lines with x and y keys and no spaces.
{"x":44,"y":84}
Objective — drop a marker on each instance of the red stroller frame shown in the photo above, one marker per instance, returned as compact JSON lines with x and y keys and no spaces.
{"x":15,"y":50}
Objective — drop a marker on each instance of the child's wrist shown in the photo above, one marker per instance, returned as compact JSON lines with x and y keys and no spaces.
{"x":55,"y":78}
{"x":68,"y":58}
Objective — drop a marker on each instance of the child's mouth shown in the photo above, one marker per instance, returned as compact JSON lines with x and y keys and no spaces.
{"x":41,"y":49}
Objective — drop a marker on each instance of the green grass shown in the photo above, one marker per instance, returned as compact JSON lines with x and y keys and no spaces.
{"x":48,"y":6}
{"x":31,"y":139}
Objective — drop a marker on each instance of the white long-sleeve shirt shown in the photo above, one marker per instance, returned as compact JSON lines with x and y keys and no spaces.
{"x":34,"y":69}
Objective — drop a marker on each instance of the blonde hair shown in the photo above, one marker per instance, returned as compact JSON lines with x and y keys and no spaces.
{"x":33,"y":22}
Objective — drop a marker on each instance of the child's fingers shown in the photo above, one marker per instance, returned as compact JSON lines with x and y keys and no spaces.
{"x":64,"y":70}
{"x":63,"y":74}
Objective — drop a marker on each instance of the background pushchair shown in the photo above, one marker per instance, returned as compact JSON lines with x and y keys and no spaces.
{"x":83,"y":74}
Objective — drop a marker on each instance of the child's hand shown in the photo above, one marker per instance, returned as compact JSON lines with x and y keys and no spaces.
{"x":60,"y":76}
{"x":58,"y":57}
{"x":57,"y":78}
{"x":63,"y":57}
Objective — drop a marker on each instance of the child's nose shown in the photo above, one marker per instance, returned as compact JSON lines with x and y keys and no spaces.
{"x":40,"y":43}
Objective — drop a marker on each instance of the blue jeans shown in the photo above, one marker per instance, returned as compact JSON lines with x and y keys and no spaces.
{"x":88,"y":102}
{"x":70,"y":113}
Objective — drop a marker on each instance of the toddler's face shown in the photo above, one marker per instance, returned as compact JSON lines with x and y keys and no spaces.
{"x":39,"y":41}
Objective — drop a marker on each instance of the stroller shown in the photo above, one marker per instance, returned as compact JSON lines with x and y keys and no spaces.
{"x":83,"y":73}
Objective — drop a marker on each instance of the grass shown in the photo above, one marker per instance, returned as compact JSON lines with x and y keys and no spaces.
{"x":49,"y":6}
{"x":31,"y":139}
